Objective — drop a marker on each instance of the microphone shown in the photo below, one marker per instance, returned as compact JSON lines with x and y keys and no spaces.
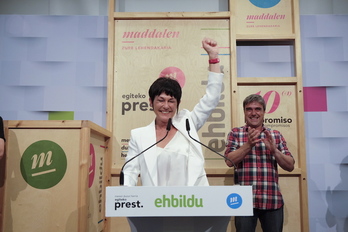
{"x":169,"y":125}
{"x":226,"y":158}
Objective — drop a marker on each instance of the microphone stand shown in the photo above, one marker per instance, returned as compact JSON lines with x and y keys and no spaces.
{"x":226,"y":158}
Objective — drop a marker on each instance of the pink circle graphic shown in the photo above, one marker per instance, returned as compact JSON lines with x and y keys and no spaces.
{"x":174,"y":73}
{"x":91,"y":171}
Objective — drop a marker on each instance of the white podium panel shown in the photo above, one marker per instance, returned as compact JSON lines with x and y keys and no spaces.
{"x":149,"y":201}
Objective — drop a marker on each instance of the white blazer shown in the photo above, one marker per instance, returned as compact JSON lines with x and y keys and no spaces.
{"x":144,"y":137}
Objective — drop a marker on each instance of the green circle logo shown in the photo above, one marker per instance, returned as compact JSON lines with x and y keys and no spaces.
{"x":43,"y":164}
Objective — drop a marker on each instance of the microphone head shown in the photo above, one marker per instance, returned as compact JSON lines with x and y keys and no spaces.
{"x":121,"y":178}
{"x":235,"y":176}
{"x":169,"y":124}
{"x":187,"y":125}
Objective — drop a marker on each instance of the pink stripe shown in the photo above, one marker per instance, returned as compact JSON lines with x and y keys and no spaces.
{"x":315,"y":99}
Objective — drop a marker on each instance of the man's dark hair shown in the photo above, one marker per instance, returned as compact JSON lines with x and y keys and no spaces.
{"x":254,"y":98}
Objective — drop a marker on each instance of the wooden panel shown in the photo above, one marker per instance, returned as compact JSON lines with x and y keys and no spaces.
{"x":30,"y":209}
{"x":247,"y":21}
{"x":290,"y":188}
{"x":148,"y":49}
{"x":99,"y":178}
{"x":264,"y":17}
{"x":55,"y":171}
{"x":171,"y":15}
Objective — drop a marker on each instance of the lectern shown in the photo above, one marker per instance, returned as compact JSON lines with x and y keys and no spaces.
{"x":192,"y":208}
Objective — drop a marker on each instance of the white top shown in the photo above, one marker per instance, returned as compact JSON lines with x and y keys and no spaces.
{"x":172,"y":162}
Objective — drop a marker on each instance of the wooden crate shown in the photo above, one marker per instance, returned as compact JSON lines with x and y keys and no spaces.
{"x":55,"y":176}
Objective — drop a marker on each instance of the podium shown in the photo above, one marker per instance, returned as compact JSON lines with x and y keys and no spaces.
{"x":173,"y":208}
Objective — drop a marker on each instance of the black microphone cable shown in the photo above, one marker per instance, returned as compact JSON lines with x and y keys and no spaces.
{"x":226,"y":158}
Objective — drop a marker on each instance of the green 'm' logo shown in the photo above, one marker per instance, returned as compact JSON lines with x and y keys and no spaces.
{"x":43,"y":164}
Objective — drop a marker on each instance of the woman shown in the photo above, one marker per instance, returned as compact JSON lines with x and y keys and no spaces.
{"x":177,"y":160}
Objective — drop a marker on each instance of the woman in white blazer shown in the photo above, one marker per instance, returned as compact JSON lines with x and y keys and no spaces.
{"x":177,"y":160}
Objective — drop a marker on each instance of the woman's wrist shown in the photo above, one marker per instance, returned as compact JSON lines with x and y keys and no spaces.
{"x":213,"y":56}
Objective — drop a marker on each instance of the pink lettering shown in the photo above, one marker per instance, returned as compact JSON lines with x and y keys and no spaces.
{"x":154,"y":33}
{"x":267,"y":16}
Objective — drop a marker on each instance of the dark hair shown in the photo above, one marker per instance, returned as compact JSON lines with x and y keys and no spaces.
{"x":165,"y":85}
{"x":254,"y":98}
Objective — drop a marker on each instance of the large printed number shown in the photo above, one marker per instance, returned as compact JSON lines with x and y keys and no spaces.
{"x":276,"y":100}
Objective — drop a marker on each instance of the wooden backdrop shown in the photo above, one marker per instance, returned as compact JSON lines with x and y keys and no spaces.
{"x":144,"y":46}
